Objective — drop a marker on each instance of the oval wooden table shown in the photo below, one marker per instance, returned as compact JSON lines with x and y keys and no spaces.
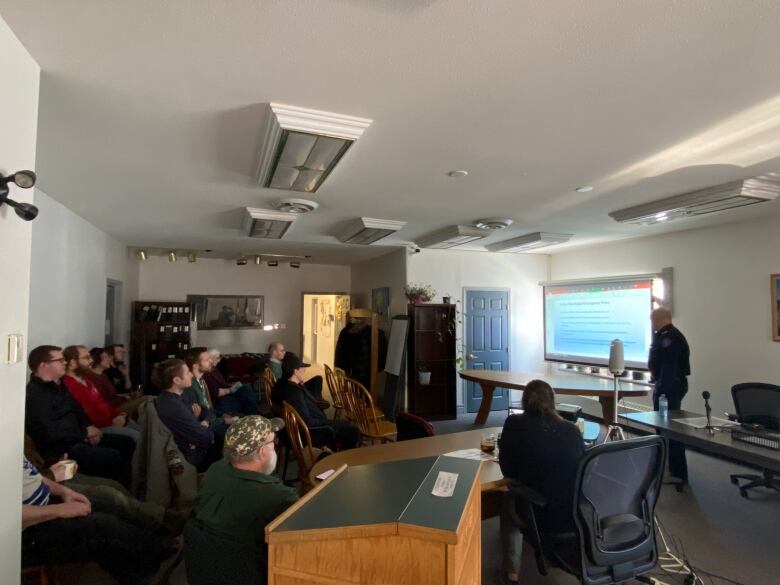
{"x":562,"y":383}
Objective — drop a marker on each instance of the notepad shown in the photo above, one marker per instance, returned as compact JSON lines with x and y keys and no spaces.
{"x":445,"y":484}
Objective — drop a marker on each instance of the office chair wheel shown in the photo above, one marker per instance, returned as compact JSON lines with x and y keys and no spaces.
{"x":743,"y":493}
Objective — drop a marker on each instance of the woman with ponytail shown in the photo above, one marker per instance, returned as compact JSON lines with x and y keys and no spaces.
{"x":542,"y":451}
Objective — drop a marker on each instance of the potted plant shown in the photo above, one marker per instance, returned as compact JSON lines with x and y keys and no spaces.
{"x":419,"y":293}
{"x":424,"y":375}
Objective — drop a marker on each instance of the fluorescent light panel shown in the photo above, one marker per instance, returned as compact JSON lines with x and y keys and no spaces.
{"x":529,"y":242}
{"x":301,"y":147}
{"x":451,"y":236}
{"x":703,"y":201}
{"x":367,"y":230}
{"x":267,"y":224}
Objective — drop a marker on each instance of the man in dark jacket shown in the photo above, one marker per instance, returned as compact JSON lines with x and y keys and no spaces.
{"x":290,"y":389}
{"x":58,"y":425}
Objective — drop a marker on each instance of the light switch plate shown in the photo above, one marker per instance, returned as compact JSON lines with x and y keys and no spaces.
{"x":14,"y":348}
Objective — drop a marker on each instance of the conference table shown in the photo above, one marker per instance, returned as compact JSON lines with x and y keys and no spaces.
{"x":563,"y":384}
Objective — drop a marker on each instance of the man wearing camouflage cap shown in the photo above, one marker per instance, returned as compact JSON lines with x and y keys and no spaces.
{"x":238,"y":495}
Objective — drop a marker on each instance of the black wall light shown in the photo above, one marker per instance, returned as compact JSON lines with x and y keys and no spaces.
{"x":23,"y":180}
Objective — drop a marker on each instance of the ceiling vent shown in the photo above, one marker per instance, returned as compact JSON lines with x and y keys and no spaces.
{"x":367,"y":230}
{"x":301,"y":147}
{"x":710,"y":200}
{"x":451,"y":236}
{"x":529,"y":242}
{"x":298,"y":206}
{"x":264,"y":223}
{"x":493,"y":223}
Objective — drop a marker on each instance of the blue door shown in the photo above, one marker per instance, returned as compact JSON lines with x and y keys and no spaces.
{"x":487,"y":342}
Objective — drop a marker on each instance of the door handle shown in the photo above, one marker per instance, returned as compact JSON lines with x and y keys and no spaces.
{"x":471,"y":356}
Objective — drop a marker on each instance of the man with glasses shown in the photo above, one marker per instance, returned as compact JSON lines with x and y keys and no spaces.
{"x":59,"y":427}
{"x":238,"y":495}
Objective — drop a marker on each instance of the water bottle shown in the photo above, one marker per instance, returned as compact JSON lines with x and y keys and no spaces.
{"x":663,"y":406}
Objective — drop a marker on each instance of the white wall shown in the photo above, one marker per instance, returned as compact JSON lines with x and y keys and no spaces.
{"x":386,"y":271}
{"x":721,"y":297}
{"x":450,"y":271}
{"x":282,"y":287}
{"x":18,"y":131}
{"x":71,"y":262}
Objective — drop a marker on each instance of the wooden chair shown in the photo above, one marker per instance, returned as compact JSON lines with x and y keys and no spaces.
{"x":306,"y":454}
{"x":341,"y":379}
{"x":268,"y":385}
{"x":361,"y":406}
{"x":334,"y":386}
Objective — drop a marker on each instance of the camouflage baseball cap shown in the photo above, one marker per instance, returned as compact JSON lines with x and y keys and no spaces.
{"x":248,"y":434}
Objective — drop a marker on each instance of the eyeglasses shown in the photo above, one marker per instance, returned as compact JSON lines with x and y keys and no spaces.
{"x":62,"y":359}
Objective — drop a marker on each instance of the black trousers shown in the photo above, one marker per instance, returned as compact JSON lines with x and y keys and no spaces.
{"x":110,"y":458}
{"x":347,"y":435}
{"x":675,"y":392}
{"x":127,"y":553}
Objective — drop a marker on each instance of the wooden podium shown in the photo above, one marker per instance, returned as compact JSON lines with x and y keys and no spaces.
{"x":380,"y":525}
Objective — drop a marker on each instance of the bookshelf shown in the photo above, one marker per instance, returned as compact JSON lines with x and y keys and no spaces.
{"x":160,"y":331}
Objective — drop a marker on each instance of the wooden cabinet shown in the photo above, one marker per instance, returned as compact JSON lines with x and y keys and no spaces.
{"x":160,"y":331}
{"x":431,"y":346}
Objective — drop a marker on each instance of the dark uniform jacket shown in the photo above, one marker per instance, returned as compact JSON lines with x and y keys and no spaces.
{"x":54,"y":419}
{"x":669,"y":362}
{"x":301,"y":400}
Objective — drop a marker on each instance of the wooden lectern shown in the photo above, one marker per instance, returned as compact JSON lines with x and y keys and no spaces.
{"x":380,"y":525}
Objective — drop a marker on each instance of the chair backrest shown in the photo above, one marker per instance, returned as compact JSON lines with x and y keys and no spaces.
{"x":361,"y":407}
{"x":335,"y":391}
{"x":757,"y":403}
{"x":300,"y":442}
{"x":268,"y":385}
{"x":213,"y":557}
{"x":615,"y":493}
{"x":411,"y":426}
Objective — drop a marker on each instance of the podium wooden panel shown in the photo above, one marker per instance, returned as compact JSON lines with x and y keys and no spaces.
{"x":380,"y":525}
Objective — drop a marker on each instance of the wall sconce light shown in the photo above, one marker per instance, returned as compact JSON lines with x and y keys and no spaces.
{"x":171,"y":256}
{"x":258,"y":259}
{"x":23,"y":180}
{"x":192,"y":257}
{"x":241,"y":262}
{"x":142,"y":255}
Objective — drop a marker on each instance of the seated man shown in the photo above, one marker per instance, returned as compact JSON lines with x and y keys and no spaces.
{"x":236,"y":398}
{"x":290,"y":388}
{"x":238,"y":495}
{"x":76,"y":379}
{"x":194,"y":438}
{"x":117,"y":370}
{"x":59,"y":526}
{"x":542,"y":451}
{"x":57,"y":424}
{"x":197,"y":395}
{"x":276,"y":353}
{"x":125,"y":401}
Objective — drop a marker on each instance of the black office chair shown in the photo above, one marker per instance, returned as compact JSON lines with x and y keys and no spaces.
{"x":757,"y":403}
{"x":615,"y":493}
{"x":213,"y":558}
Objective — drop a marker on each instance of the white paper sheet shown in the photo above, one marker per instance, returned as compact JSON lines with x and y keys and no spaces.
{"x":326,"y":474}
{"x":445,"y":484}
{"x":700,"y":422}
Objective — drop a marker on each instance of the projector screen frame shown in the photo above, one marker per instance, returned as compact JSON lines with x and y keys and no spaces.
{"x":665,"y":276}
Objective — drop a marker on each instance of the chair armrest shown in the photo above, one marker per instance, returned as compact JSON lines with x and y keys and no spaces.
{"x":522,"y":491}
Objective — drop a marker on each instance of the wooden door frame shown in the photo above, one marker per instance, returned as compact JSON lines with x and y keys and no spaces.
{"x":303,"y":300}
{"x":507,"y":290}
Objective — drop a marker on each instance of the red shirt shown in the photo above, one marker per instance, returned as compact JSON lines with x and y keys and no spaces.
{"x":100,"y":412}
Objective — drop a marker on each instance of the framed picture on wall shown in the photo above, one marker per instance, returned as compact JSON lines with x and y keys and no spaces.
{"x":226,"y":311}
{"x":774,"y":282}
{"x":380,"y":303}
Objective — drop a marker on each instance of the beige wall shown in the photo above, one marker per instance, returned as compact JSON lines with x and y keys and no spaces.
{"x":386,"y":271}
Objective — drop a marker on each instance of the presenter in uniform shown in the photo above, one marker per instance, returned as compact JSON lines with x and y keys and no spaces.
{"x":669,"y":364}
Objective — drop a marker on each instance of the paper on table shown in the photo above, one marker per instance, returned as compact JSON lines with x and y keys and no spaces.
{"x":326,"y":474}
{"x":475,"y":454}
{"x":700,"y":422}
{"x":445,"y":484}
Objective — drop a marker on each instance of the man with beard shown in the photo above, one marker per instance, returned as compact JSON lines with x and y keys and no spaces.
{"x":238,"y":495}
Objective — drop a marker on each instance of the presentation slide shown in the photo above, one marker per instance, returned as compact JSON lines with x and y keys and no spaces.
{"x":581,"y":320}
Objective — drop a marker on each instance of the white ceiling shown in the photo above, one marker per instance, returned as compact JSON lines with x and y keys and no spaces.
{"x":150,"y":111}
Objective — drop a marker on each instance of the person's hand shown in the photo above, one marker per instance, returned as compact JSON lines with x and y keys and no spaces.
{"x":93,"y":435}
{"x":72,"y":509}
{"x":68,"y":495}
{"x":119,"y":420}
{"x":59,"y":470}
{"x":196,"y":409}
{"x":224,"y":392}
{"x":204,"y":423}
{"x":229,"y":419}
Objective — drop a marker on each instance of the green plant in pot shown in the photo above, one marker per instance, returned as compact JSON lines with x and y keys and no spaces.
{"x":423,"y":375}
{"x":419,"y":293}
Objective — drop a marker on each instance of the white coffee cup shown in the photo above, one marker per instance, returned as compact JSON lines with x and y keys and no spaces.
{"x":69,"y":466}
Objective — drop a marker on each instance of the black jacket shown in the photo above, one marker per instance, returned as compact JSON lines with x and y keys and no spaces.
{"x":53,"y":418}
{"x":301,"y":400}
{"x":669,"y":361}
{"x":544,"y":454}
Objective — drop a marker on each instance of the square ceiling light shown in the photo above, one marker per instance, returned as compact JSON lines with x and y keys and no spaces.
{"x":301,"y":147}
{"x":529,"y":242}
{"x":449,"y":237}
{"x":703,"y":201}
{"x":367,"y":230}
{"x":267,"y":224}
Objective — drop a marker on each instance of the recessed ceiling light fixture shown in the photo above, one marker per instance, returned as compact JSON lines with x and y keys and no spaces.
{"x":457,"y":174}
{"x":584,"y":189}
{"x":241,"y":261}
{"x":172,"y":256}
{"x":710,"y":200}
{"x":451,"y":236}
{"x":293,"y":205}
{"x":301,"y":147}
{"x":529,"y":242}
{"x":367,"y":230}
{"x":493,"y":223}
{"x":192,"y":257}
{"x":264,"y":223}
{"x":295,"y":264}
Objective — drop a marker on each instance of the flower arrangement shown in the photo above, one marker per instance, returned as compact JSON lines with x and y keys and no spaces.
{"x":419,"y":293}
